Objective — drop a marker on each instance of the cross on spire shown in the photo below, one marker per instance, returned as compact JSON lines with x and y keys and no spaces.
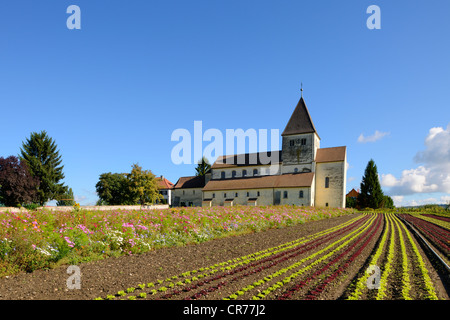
{"x":301,"y":88}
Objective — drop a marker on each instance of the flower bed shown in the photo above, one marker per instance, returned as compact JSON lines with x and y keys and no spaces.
{"x":43,"y":239}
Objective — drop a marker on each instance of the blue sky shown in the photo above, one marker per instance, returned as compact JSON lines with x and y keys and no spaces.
{"x":112,"y":93}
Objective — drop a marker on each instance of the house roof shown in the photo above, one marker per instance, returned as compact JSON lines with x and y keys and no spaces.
{"x":190,"y":182}
{"x":300,"y":121}
{"x":352,"y":193}
{"x":262,"y":182}
{"x":163,"y":183}
{"x":331,"y":154}
{"x":247,"y":159}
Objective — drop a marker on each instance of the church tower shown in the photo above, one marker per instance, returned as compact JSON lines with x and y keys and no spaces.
{"x":300,"y":141}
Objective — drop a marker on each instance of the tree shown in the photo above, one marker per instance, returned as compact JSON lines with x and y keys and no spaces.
{"x":40,"y":154}
{"x":388,"y":202}
{"x":203,"y":166}
{"x":114,"y":189}
{"x":143,"y":185}
{"x":66,"y":199}
{"x":18,"y":186}
{"x":350,"y":202}
{"x":371,"y":195}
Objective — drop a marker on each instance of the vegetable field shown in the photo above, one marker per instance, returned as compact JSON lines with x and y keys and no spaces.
{"x":300,"y":253}
{"x":373,"y":256}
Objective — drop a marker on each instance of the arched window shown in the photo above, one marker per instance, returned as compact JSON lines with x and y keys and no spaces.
{"x":244,"y":173}
{"x":295,"y":170}
{"x":233,"y":174}
{"x":300,"y":194}
{"x":285,"y":194}
{"x":327,"y":182}
{"x":222,"y":175}
{"x":255,"y":172}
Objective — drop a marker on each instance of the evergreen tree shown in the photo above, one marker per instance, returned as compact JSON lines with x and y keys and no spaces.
{"x":203,"y":167}
{"x":40,"y":154}
{"x":66,"y":199}
{"x":371,"y":195}
{"x":388,"y":202}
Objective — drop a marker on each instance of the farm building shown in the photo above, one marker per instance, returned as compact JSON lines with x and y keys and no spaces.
{"x":301,"y":173}
{"x":165,"y":189}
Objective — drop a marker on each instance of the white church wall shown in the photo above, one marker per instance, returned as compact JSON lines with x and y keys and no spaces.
{"x":293,"y":196}
{"x":264,"y":196}
{"x":334,"y":195}
{"x":262,"y":171}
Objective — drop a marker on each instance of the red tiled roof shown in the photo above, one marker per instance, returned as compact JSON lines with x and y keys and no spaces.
{"x":190,"y":182}
{"x":353,"y":193}
{"x":331,"y":154}
{"x":289,"y":180}
{"x":163,"y":183}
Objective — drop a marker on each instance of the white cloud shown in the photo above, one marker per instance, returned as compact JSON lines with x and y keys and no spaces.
{"x":79,"y":198}
{"x":411,"y":181}
{"x":433,"y":175}
{"x":376,"y":136}
{"x":397,"y":200}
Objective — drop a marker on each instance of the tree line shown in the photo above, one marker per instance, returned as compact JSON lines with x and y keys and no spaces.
{"x":35,"y":176}
{"x":137,"y":187}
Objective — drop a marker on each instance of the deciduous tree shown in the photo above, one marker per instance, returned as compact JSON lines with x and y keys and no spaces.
{"x":17,"y":185}
{"x":114,"y":189}
{"x":143,"y":185}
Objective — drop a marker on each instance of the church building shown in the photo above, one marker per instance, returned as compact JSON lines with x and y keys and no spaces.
{"x":301,"y":173}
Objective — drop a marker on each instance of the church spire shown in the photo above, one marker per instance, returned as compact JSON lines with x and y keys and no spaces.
{"x":300,"y":121}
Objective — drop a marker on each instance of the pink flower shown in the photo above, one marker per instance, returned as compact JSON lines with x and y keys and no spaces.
{"x":71,"y":244}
